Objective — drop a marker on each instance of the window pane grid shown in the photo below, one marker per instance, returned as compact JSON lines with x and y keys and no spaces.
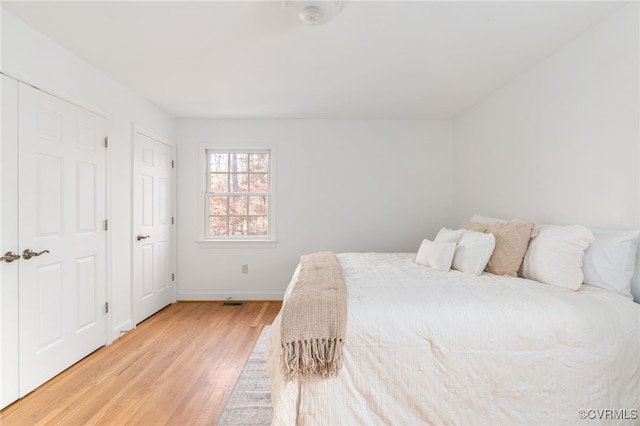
{"x":238,"y":182}
{"x":239,"y":194}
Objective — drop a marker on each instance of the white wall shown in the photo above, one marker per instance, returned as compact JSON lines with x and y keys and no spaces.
{"x":341,"y":186}
{"x":31,"y":57}
{"x":560,"y":144}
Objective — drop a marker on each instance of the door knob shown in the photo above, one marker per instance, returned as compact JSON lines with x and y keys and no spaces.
{"x":9,"y":257}
{"x":142,"y":237}
{"x":28,"y":254}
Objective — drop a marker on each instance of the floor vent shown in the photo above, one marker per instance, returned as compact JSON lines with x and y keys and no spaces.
{"x":232,"y":303}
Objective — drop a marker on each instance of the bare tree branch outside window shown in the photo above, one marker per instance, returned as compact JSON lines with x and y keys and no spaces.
{"x":239,"y":194}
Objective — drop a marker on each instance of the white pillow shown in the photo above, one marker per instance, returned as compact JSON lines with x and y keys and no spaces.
{"x":435,"y":255}
{"x":555,"y":255}
{"x":610,"y":260}
{"x":447,"y":235}
{"x":473,"y":252}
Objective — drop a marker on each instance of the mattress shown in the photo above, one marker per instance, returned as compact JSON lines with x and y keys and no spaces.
{"x":429,"y":347}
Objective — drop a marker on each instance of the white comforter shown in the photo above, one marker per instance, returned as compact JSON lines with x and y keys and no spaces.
{"x":449,"y":348}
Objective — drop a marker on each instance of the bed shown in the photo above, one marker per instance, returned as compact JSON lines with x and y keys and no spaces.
{"x":426,"y":346}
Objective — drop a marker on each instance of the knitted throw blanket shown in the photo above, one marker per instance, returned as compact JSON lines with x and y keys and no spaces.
{"x":314,"y":320}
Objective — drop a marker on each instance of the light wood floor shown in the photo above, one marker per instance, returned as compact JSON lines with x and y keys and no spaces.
{"x":176,"y":368}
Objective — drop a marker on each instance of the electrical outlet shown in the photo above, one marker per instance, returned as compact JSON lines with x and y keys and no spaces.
{"x":245,"y":269}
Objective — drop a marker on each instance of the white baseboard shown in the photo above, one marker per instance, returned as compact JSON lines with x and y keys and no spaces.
{"x":121,"y":329}
{"x":229,"y":296}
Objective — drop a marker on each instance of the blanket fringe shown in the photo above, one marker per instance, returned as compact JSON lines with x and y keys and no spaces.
{"x":312,"y":359}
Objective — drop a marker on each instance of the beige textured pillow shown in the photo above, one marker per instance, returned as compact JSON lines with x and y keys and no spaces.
{"x":512,"y":240}
{"x":475,"y":226}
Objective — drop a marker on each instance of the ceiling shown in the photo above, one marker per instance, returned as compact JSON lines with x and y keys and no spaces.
{"x":374,"y":60}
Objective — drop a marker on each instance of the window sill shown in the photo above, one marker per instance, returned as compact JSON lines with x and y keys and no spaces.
{"x":227,"y":244}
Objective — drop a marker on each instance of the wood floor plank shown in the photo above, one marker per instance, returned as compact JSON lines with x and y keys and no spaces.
{"x":177,"y":367}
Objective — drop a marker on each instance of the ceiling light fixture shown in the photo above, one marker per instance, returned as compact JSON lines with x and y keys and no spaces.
{"x":314,"y":12}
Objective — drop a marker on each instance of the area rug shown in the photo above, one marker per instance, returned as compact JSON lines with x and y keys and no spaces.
{"x":250,"y":400}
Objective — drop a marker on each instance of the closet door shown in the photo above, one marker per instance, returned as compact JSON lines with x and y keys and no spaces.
{"x":152,"y":219}
{"x":9,"y":243}
{"x":61,"y":187}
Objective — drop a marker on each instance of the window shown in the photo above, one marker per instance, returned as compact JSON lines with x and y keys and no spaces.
{"x":238,"y":195}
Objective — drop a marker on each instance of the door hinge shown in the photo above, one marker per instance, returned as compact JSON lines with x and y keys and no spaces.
{"x":173,"y":220}
{"x":173,"y":277}
{"x":106,"y":307}
{"x":173,"y":164}
{"x":106,"y":225}
{"x":106,"y":142}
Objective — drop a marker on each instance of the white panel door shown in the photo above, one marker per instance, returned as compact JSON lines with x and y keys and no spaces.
{"x":9,"y":244}
{"x":152,"y":220}
{"x":61,"y":181}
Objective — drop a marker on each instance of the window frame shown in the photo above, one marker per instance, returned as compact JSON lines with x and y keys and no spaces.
{"x":204,"y":191}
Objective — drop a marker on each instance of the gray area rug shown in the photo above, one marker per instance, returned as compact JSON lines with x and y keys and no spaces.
{"x":250,"y":400}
